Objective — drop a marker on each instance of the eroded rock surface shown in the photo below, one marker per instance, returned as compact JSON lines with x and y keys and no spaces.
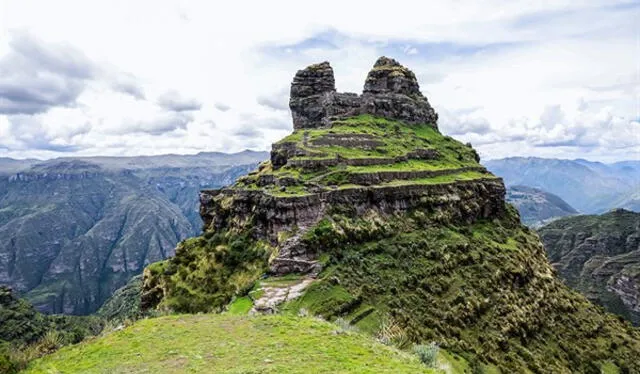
{"x":390,"y":91}
{"x":599,"y":256}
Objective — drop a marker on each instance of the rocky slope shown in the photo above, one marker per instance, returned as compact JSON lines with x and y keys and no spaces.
{"x":537,"y":207}
{"x":590,"y":187}
{"x":600,"y":257}
{"x":398,"y":230}
{"x":77,"y":229}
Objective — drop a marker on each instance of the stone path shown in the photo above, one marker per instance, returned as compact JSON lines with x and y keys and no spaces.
{"x":275,"y":292}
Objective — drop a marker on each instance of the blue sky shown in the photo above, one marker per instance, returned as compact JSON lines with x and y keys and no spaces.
{"x":515,"y":78}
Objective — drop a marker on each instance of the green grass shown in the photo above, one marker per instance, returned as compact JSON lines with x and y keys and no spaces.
{"x":230,"y":344}
{"x":396,"y":139}
{"x":240,"y":306}
{"x":442,"y":179}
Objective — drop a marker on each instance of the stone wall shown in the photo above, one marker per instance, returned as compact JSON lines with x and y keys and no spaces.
{"x":464,"y":201}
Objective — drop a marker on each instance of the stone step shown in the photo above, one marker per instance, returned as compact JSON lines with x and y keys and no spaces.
{"x":377,"y":177}
{"x":272,"y":296}
{"x":282,"y":266}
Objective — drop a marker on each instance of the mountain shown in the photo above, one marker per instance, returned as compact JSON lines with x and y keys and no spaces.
{"x":590,"y":187}
{"x":367,"y":214}
{"x":537,"y":206}
{"x":600,"y":257}
{"x":77,"y":229}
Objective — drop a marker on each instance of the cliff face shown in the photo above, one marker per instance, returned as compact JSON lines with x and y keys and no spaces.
{"x":76,"y":230}
{"x":394,"y":227}
{"x":600,"y":257}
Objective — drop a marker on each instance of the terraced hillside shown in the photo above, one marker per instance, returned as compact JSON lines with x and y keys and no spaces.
{"x":393,"y":227}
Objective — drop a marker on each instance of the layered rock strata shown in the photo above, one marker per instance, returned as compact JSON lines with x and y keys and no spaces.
{"x":390,"y":91}
{"x":375,"y":151}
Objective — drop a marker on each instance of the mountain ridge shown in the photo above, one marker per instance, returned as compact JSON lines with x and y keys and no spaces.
{"x":537,"y":206}
{"x":106,"y":219}
{"x":599,"y":256}
{"x":590,"y":187}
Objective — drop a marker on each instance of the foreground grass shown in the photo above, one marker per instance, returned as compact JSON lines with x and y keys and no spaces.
{"x":214,"y":343}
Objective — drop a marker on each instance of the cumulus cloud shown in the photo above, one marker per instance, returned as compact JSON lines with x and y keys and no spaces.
{"x":128,"y":84}
{"x":159,"y":124}
{"x":507,"y":81}
{"x":173,"y":101}
{"x":35,"y":77}
{"x":278,"y":100}
{"x":222,"y":107}
{"x":29,"y":132}
{"x":462,"y":121}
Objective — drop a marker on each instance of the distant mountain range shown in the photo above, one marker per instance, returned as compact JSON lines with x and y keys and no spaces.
{"x":536,"y":206}
{"x":589,"y":187}
{"x":76,"y":229}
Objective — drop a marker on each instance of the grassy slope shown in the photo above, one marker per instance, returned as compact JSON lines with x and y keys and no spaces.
{"x":230,"y":344}
{"x":484,"y":291}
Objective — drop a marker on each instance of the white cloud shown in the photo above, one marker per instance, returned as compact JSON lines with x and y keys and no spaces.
{"x":510,"y":61}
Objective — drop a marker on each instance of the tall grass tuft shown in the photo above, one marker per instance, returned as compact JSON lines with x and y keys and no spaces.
{"x":391,"y":333}
{"x":428,"y":353}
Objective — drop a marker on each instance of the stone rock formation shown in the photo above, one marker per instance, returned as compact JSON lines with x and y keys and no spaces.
{"x":390,"y":91}
{"x":382,"y":216}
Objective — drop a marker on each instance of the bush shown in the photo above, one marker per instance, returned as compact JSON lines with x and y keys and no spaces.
{"x":428,"y":353}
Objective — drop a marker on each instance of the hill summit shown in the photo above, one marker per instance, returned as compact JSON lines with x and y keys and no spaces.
{"x":390,"y":91}
{"x":366,"y":212}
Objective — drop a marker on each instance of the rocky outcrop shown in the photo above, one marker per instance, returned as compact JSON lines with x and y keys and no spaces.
{"x":429,"y":242}
{"x":390,"y":91}
{"x":269,"y":215}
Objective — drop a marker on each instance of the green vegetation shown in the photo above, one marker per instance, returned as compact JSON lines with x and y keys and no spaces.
{"x":428,"y":353}
{"x":124,"y":304}
{"x":240,"y":306}
{"x":484,"y":291}
{"x":206,"y":273}
{"x":230,"y":344}
{"x":26,"y":334}
{"x":396,"y":143}
{"x":450,"y":266}
{"x":599,"y":256}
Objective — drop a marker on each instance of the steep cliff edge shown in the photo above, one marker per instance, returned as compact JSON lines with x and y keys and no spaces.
{"x":399,"y":228}
{"x":600,"y":257}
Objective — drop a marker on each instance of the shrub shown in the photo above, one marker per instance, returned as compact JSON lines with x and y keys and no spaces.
{"x":391,"y":333}
{"x":428,"y":353}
